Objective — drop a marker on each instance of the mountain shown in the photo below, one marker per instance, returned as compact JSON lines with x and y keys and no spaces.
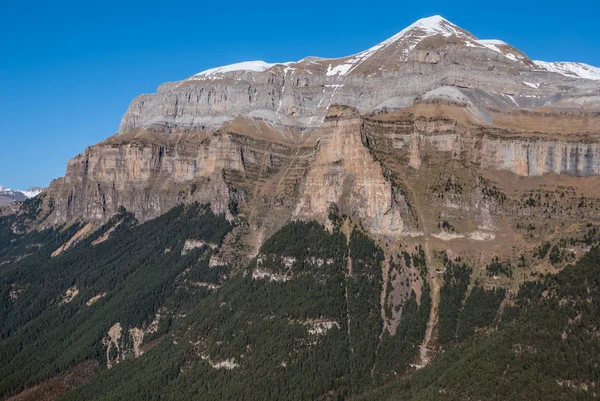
{"x":419,"y":220}
{"x":8,"y":195}
{"x":429,"y":54}
{"x":192,"y":129}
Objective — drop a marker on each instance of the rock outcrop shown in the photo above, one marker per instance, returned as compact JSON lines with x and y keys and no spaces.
{"x":150,"y":172}
{"x":146,"y":176}
{"x":524,"y":143}
{"x":345,"y":173}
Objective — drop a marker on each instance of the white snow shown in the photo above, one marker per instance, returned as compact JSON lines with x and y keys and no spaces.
{"x":429,"y":26}
{"x":571,"y":69}
{"x":29,"y":193}
{"x":531,"y":85}
{"x":412,"y":35}
{"x":493,"y":44}
{"x":256,"y":66}
{"x":425,"y":27}
{"x":341,"y":69}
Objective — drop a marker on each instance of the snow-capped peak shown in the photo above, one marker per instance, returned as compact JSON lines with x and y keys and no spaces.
{"x":257,"y":66}
{"x":32,"y":192}
{"x":425,"y":27}
{"x":570,"y":69}
{"x":400,"y":46}
{"x":408,"y":38}
{"x":430,"y":26}
{"x":29,"y":193}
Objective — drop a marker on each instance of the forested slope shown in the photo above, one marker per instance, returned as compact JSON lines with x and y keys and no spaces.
{"x":158,"y":310}
{"x":45,"y":329}
{"x":546,"y":348}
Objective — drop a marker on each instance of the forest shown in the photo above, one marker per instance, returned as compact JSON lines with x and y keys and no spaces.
{"x":310,"y":328}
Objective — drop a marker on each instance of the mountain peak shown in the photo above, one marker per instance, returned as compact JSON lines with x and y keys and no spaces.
{"x":429,"y":26}
{"x":433,"y":23}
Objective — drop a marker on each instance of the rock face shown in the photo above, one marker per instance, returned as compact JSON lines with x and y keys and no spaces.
{"x":148,"y":177}
{"x":270,"y":142}
{"x":150,"y":172}
{"x":345,"y":173}
{"x":564,"y":149}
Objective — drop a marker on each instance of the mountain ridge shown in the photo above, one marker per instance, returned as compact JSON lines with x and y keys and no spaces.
{"x":8,"y":195}
{"x":431,"y":26}
{"x":428,"y":54}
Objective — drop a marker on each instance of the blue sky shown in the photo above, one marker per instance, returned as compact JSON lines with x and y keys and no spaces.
{"x":68,"y":69}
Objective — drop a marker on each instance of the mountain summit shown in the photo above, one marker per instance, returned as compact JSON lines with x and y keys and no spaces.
{"x":406,"y":40}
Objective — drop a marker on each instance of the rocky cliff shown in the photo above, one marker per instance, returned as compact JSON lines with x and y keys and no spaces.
{"x":269,"y":142}
{"x":345,"y":173}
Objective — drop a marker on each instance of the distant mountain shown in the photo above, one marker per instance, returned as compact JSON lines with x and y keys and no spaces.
{"x":8,"y":195}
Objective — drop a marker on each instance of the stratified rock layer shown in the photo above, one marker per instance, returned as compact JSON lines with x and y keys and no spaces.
{"x":345,"y":173}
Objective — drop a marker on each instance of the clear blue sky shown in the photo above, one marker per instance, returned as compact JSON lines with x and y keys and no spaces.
{"x":68,"y":69}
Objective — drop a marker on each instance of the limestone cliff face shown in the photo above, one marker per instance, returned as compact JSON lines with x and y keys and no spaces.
{"x":148,"y":178}
{"x":520,"y":155}
{"x":149,"y":173}
{"x":492,"y":147}
{"x":299,"y":94}
{"x":526,"y":157}
{"x":344,"y":172}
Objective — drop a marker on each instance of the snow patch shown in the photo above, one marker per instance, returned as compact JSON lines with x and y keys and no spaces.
{"x":531,"y":85}
{"x":341,"y":69}
{"x":500,"y":47}
{"x":494,"y":42}
{"x":256,"y":66}
{"x":570,"y":69}
{"x":28,"y":193}
{"x":31,"y":193}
